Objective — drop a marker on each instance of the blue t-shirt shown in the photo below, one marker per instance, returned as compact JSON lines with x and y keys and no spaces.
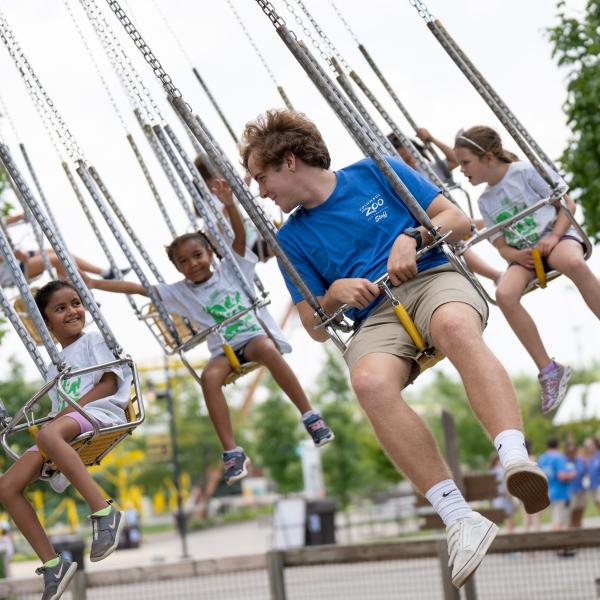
{"x":351,"y":234}
{"x":553,"y":463}
{"x":578,"y":465}
{"x":594,"y":470}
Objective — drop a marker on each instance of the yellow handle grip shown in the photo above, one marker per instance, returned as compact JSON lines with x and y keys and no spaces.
{"x":33,"y":431}
{"x":232,"y":358}
{"x":539,"y":267}
{"x":410,"y":327}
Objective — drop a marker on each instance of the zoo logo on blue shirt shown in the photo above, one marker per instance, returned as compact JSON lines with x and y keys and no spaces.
{"x":371,"y":209}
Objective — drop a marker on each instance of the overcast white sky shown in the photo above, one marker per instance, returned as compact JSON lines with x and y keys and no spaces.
{"x":505,"y":39}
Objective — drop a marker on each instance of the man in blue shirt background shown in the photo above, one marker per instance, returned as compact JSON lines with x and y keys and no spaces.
{"x":559,"y":474}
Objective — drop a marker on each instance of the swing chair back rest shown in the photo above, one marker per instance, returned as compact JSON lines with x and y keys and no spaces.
{"x":94,"y":445}
{"x":21,"y":309}
{"x":150,"y":315}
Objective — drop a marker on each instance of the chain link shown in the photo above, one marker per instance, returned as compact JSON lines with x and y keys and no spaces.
{"x":161,"y":74}
{"x":37,"y":92}
{"x":307,"y":32}
{"x":94,"y":62}
{"x":422,"y":10}
{"x":345,"y":23}
{"x":322,"y":34}
{"x":252,"y":42}
{"x":270,"y":11}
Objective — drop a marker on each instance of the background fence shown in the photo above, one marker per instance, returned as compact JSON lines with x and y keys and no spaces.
{"x":547,"y":565}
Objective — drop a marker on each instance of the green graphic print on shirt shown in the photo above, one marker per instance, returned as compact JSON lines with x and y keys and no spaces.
{"x":527,"y":229}
{"x":221,"y":305}
{"x":71,"y":388}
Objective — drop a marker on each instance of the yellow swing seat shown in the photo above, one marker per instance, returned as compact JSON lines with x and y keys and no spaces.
{"x":159,"y":328}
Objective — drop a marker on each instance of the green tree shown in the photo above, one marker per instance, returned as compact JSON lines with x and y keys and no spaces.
{"x":576,"y":45}
{"x":276,"y":428}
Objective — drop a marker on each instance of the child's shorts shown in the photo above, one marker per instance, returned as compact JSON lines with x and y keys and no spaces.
{"x":84,"y":426}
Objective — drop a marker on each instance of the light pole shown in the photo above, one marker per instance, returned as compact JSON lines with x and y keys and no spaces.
{"x":180,"y":516}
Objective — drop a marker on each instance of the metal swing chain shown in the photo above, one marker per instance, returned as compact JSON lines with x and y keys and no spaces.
{"x":23,"y":334}
{"x":322,"y":34}
{"x":265,"y":227}
{"x":344,"y":22}
{"x":522,"y":137}
{"x":252,"y":42}
{"x":260,"y":56}
{"x":138,"y":40}
{"x":23,"y":286}
{"x":422,"y":10}
{"x":37,"y":90}
{"x":130,"y":79}
{"x":95,"y":64}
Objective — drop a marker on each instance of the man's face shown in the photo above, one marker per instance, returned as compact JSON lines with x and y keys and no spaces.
{"x":277,"y":183}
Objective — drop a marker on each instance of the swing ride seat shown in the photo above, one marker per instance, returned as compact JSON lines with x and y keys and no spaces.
{"x":543,"y":277}
{"x":243,"y":370}
{"x":21,"y":310}
{"x":160,"y":330}
{"x":91,"y":446}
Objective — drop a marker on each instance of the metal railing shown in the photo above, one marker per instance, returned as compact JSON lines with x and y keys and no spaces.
{"x":560,"y":565}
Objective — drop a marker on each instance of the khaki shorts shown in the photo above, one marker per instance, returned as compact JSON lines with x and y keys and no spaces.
{"x":421,"y":296}
{"x":578,"y":500}
{"x":560,"y":513}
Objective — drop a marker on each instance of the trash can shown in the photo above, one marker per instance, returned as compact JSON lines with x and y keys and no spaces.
{"x":320,"y":522}
{"x":71,"y":547}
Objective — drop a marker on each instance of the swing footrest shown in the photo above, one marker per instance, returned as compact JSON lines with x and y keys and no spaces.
{"x":244,"y":370}
{"x":428,"y":358}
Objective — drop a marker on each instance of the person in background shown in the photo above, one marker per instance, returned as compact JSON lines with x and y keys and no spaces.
{"x":577,"y":489}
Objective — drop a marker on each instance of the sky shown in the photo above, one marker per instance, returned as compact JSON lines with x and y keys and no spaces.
{"x":505,"y":39}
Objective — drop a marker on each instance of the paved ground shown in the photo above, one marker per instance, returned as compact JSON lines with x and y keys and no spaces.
{"x":231,"y":540}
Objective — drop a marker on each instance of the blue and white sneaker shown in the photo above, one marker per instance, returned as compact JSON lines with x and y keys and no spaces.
{"x":236,"y":465}
{"x":319,"y":431}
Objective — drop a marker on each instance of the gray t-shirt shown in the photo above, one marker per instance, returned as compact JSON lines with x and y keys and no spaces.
{"x":89,"y":350}
{"x":217,"y":299}
{"x":521,"y":187}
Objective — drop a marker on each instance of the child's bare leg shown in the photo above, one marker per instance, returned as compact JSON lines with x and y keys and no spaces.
{"x":82,"y":265}
{"x":212,"y":378}
{"x":25,"y":470}
{"x":480,"y":266}
{"x":53,"y":440}
{"x":34,"y":265}
{"x":261,"y":349}
{"x":567,"y":257}
{"x":508,"y":296}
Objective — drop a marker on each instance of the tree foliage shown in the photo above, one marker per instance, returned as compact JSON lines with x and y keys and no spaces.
{"x":576,"y":45}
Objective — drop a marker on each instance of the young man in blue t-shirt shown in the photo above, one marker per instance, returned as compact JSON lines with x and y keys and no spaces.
{"x":560,"y":474}
{"x":348,"y":228}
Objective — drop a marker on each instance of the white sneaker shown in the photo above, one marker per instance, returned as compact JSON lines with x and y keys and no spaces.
{"x":58,"y":482}
{"x":527,"y":482}
{"x":468,"y":540}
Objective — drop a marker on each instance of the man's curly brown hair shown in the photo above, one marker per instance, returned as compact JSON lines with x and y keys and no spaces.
{"x":277,"y":132}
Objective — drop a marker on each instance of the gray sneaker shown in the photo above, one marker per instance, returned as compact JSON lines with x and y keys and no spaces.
{"x":236,"y":465}
{"x":56,"y":579}
{"x":106,"y":532}
{"x":554,"y":386}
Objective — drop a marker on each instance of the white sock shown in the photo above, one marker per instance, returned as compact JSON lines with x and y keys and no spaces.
{"x":236,"y":449}
{"x":510,"y":445}
{"x":310,"y":413}
{"x":105,"y":272}
{"x":448,"y":502}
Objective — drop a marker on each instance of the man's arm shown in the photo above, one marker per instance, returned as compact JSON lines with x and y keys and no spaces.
{"x":402,"y":264}
{"x":355,"y":292}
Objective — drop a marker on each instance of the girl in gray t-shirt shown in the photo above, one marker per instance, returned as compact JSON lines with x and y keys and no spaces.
{"x":512,"y":186}
{"x":104,"y":394}
{"x":210,"y":295}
